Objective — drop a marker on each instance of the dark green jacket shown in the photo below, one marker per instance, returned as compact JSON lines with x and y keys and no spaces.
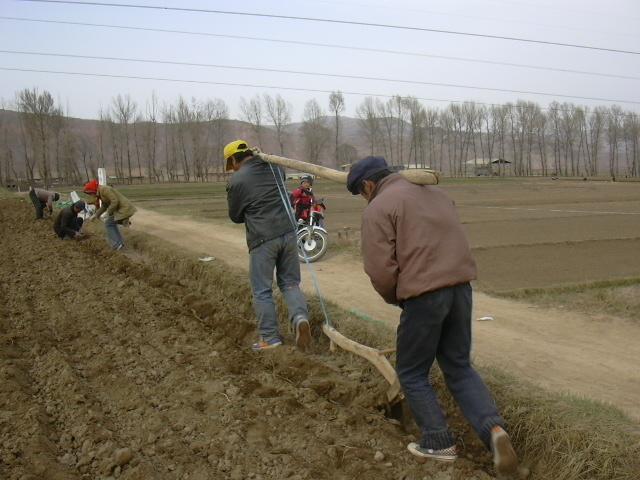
{"x":254,"y":199}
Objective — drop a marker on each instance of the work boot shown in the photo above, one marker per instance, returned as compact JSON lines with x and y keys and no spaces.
{"x":303,"y":334}
{"x":504,"y":456}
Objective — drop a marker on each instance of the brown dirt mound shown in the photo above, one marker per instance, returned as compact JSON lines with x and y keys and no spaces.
{"x":113,"y":368}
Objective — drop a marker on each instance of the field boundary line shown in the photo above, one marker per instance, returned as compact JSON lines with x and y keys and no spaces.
{"x":554,"y":210}
{"x":551,"y":244}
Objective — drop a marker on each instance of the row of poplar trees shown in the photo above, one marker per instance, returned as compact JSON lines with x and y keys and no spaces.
{"x":182,"y":141}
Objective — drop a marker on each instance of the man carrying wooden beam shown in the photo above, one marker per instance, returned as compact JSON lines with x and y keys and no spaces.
{"x":257,"y":197}
{"x":416,"y":254}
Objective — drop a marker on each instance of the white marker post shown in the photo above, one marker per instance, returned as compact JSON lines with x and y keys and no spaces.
{"x":89,"y":208}
{"x":102,"y":176}
{"x":102,"y":180}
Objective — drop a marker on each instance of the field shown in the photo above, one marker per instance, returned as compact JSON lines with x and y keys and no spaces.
{"x":137,"y":365}
{"x":525,"y":233}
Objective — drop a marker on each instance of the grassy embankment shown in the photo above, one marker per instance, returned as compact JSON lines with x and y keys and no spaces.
{"x":611,"y":297}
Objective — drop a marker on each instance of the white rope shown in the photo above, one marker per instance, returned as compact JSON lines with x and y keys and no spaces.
{"x":287,"y":206}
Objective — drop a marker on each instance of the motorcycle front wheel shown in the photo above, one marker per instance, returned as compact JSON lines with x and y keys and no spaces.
{"x":312,"y":245}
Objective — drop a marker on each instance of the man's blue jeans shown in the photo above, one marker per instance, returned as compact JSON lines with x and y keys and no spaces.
{"x":113,"y":232}
{"x":437,"y":325}
{"x":280,"y":254}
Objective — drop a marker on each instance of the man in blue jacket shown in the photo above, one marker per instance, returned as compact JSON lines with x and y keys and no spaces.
{"x":257,"y":197}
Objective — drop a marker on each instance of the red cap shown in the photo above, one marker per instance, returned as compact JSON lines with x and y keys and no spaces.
{"x":91,"y":187}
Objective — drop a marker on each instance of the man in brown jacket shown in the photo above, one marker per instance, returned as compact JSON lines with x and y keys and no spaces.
{"x":118,"y":208}
{"x":416,"y":254}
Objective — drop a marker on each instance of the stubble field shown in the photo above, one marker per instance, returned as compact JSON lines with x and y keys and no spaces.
{"x":525,"y":233}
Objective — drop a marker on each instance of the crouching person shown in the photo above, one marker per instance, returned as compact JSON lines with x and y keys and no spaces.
{"x":118,"y":208}
{"x":68,"y":224}
{"x":43,"y":201}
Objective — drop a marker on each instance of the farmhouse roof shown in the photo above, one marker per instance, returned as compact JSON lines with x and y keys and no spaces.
{"x":485,"y":161}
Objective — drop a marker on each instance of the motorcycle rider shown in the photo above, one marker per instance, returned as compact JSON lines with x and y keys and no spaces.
{"x":302,"y":198}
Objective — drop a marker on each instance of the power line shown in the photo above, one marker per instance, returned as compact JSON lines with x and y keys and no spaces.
{"x":253,"y":85}
{"x":320,"y":74}
{"x":477,"y":17}
{"x":327,"y":45}
{"x":554,"y":6}
{"x":336,"y":21}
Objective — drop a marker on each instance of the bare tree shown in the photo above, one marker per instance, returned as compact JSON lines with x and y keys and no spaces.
{"x":595,"y":127}
{"x":401,"y":114}
{"x":218,"y":115}
{"x":487,"y":144}
{"x":446,"y":140}
{"x":368,"y":121}
{"x":6,"y":151}
{"x":182,"y":121}
{"x":69,"y":153}
{"x":540,"y":129}
{"x":279,"y":113}
{"x":631,"y":125}
{"x":170,"y":144}
{"x":347,"y":154}
{"x":38,"y":113}
{"x":148,"y":127}
{"x":336,"y":106}
{"x":124,"y":111}
{"x":314,"y":131}
{"x":471,"y":117}
{"x":387,"y":121}
{"x":87,"y":152}
{"x":251,"y":112}
{"x":614,"y":134}
{"x":417,"y":120}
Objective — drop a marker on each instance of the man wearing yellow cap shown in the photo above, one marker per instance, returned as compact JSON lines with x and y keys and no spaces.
{"x":257,"y":197}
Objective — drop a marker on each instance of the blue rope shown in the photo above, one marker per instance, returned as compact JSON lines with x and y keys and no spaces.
{"x":287,"y":206}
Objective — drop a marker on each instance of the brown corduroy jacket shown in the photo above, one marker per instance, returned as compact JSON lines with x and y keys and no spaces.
{"x":114,"y":203}
{"x":413,"y":241}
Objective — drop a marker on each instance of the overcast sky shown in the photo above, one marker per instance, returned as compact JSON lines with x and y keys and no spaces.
{"x":612,"y":24}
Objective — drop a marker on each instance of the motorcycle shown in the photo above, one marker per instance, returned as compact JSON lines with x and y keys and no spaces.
{"x":313,"y":238}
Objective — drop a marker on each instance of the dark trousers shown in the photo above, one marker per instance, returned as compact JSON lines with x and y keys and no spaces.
{"x":437,"y":325}
{"x":39,"y":205}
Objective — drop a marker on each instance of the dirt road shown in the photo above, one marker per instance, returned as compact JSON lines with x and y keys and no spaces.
{"x":591,"y":356}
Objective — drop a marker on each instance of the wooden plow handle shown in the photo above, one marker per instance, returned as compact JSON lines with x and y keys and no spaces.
{"x":373,"y":355}
{"x":419,"y":176}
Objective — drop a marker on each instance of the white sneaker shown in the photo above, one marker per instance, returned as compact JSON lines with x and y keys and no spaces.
{"x":449,"y":454}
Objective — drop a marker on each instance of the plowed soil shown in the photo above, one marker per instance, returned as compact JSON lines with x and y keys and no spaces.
{"x":138,"y":367}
